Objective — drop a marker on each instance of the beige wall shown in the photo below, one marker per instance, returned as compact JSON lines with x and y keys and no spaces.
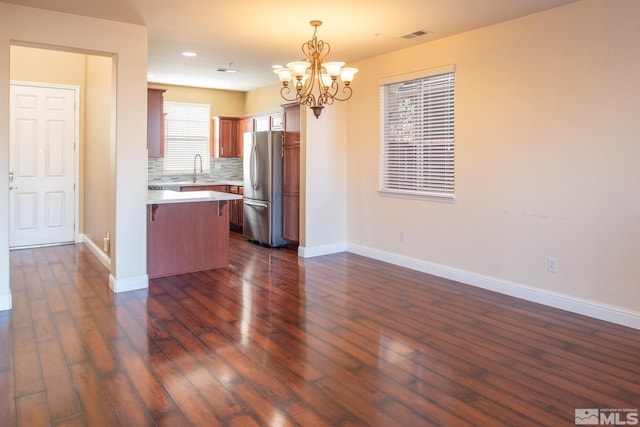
{"x":547,"y":149}
{"x":97,"y":161}
{"x":264,"y":99}
{"x":127,"y":44}
{"x":323,"y":184}
{"x":47,"y":65}
{"x":226,"y":102}
{"x":223,"y":102}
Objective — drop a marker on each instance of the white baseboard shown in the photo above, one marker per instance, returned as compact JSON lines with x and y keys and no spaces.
{"x":116,"y":285}
{"x":5,"y":302}
{"x":309,"y":252}
{"x":102,"y":257}
{"x":585,"y":307}
{"x":128,"y":284}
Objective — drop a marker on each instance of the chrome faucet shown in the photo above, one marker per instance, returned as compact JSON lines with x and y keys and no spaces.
{"x":194,"y":166}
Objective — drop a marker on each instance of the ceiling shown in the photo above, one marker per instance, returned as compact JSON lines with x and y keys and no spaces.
{"x":252,"y":35}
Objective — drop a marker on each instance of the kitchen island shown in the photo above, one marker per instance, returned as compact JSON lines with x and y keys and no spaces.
{"x":187,"y":231}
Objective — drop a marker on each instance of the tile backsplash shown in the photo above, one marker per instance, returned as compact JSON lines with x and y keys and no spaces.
{"x":221,"y":170}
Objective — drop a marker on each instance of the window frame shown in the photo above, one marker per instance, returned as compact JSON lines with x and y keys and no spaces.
{"x":441,"y":173}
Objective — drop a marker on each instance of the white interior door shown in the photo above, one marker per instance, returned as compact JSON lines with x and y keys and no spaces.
{"x":42,"y":165}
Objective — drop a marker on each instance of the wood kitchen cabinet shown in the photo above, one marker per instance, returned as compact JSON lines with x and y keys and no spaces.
{"x":291,"y":173}
{"x":268,"y":121}
{"x":245,"y":124}
{"x":277,"y":121}
{"x":224,"y":137}
{"x":155,"y":122}
{"x":236,"y":208}
{"x":220,"y":188}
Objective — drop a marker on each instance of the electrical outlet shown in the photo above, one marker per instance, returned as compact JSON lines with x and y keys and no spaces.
{"x":403,"y":236}
{"x":105,"y":243}
{"x":552,"y":265}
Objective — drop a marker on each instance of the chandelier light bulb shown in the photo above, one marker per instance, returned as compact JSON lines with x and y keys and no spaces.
{"x":333,"y":68}
{"x":346,"y":74}
{"x":284,"y":74}
{"x":298,"y":68}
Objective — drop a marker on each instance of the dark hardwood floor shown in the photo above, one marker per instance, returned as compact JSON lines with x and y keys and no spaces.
{"x":274,"y":340}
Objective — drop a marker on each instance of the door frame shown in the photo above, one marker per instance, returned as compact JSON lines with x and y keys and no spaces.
{"x":76,"y":151}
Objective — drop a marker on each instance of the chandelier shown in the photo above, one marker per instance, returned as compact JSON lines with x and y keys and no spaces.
{"x":315,"y":81}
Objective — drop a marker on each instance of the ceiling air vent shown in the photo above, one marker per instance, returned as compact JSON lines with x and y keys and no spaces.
{"x":227,"y":69}
{"x":415,"y":34}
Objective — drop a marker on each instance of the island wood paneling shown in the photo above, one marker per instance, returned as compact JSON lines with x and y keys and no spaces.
{"x":187,"y":237}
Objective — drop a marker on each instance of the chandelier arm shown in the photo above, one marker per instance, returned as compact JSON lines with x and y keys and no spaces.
{"x":332,"y":90}
{"x":284,"y":91}
{"x":309,"y":101}
{"x":307,"y":48}
{"x":323,"y":50}
{"x":348,"y":91}
{"x":326,"y":100}
{"x":303,"y":90}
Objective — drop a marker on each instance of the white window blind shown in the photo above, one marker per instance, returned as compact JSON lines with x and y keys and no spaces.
{"x":186,"y":134}
{"x":417,"y":119}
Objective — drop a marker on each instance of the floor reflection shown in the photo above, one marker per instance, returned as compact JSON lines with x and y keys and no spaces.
{"x":274,"y":339}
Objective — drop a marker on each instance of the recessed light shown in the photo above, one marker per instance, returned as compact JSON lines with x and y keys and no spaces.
{"x":190,"y":54}
{"x":276,"y":66}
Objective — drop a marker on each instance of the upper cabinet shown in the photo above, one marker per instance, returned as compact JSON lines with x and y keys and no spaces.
{"x":261,"y":123}
{"x":269,"y":121}
{"x":245,"y":124}
{"x":224,"y":137}
{"x":277,"y":121}
{"x":155,"y":122}
{"x":227,"y":133}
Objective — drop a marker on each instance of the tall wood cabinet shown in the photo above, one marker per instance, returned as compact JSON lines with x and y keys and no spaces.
{"x":155,"y":122}
{"x":291,"y":173}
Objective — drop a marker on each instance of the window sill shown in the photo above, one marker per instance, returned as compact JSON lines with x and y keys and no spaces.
{"x":417,"y":196}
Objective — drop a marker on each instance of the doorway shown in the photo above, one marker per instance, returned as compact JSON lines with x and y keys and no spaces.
{"x":42,"y":164}
{"x":92,"y":77}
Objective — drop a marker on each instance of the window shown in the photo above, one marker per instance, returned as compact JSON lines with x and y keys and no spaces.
{"x":186,"y":134}
{"x":417,"y":135}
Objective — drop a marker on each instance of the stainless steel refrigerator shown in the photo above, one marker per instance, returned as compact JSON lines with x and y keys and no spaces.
{"x":262,"y":170}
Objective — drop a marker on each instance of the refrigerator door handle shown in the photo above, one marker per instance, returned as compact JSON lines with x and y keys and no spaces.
{"x":253,"y":166}
{"x":259,"y":204}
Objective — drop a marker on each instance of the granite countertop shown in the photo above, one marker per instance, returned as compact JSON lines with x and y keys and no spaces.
{"x":169,"y":196}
